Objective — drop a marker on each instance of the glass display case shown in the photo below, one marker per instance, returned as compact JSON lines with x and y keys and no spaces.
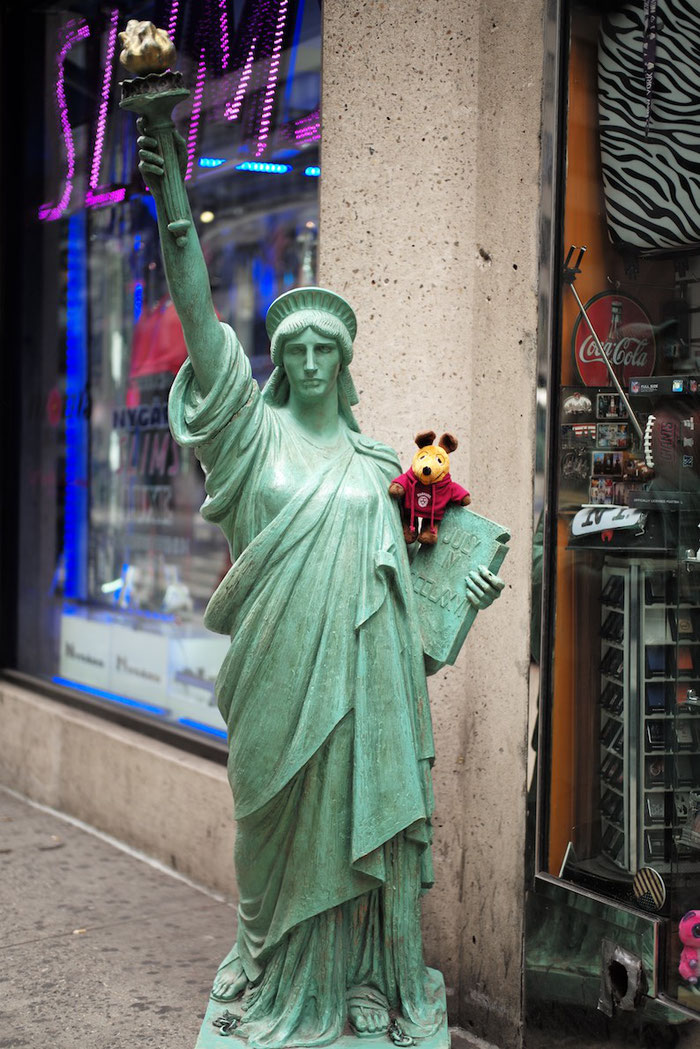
{"x":619,"y":706}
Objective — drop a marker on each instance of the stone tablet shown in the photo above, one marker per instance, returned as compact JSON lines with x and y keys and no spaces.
{"x":465,"y":541}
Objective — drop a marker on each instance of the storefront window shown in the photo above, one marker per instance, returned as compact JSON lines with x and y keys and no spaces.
{"x":116,"y":565}
{"x":620,"y":806}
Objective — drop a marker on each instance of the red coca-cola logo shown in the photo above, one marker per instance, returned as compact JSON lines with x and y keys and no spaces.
{"x":627,"y":337}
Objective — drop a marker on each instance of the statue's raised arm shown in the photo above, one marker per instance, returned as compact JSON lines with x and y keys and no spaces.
{"x":162,"y":162}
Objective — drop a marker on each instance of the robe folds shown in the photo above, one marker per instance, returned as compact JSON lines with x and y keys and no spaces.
{"x":324,"y":694}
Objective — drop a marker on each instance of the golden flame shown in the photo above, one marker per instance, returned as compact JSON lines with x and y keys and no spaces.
{"x":146,"y":49}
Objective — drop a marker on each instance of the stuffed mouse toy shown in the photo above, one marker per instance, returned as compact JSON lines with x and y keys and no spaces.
{"x":427,"y":488}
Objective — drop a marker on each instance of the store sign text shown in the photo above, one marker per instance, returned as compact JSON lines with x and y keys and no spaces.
{"x":148,"y":455}
{"x":154,"y":416}
{"x":626,"y":335}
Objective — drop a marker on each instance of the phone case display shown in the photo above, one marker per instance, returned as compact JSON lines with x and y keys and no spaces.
{"x":650,"y":714}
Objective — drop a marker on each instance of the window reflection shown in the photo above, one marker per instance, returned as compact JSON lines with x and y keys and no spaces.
{"x":126,"y":564}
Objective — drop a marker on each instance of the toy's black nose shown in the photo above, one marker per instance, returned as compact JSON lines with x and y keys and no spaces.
{"x":427,"y":471}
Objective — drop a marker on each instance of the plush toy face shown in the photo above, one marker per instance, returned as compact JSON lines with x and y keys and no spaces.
{"x":689,"y":929}
{"x":432,"y":462}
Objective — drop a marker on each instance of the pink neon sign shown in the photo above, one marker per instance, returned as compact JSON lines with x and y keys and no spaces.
{"x":266,"y":117}
{"x":97,"y":196}
{"x":75,"y":31}
{"x":263,"y":36}
{"x":233,"y":108}
{"x":223,"y":26}
{"x":308,"y":128}
{"x":196,"y":113}
{"x":172,"y":21}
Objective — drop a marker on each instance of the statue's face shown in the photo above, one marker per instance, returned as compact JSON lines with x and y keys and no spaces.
{"x":312,"y":363}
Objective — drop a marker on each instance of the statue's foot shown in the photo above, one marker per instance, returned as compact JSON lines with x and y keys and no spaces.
{"x":230,"y":980}
{"x":428,"y":536}
{"x":368,"y":1011}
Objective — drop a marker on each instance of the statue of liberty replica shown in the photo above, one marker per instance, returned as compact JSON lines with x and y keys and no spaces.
{"x":323,"y":689}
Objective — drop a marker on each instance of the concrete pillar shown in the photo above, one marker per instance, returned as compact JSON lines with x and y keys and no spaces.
{"x":429,"y":226}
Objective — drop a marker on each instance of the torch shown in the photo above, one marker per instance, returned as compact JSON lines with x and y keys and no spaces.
{"x":153,"y":94}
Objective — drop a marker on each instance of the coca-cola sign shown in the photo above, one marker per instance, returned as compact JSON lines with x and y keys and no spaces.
{"x":627,"y":337}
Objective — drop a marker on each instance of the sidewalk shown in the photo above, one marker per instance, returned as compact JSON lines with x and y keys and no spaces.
{"x":100,"y":949}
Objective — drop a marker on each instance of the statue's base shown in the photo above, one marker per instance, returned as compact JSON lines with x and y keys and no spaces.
{"x":210,"y":1037}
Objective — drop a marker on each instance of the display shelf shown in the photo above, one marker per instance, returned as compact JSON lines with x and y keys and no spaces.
{"x":614,"y":675}
{"x":656,"y":762}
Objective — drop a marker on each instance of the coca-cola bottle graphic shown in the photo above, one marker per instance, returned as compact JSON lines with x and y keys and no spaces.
{"x":614,"y":335}
{"x":628,"y":347}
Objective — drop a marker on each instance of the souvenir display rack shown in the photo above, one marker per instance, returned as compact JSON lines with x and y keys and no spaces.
{"x":649,"y":713}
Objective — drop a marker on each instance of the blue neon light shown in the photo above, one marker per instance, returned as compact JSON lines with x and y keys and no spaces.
{"x":75,"y":506}
{"x":137,"y":704}
{"x":149,"y":202}
{"x":312,"y":172}
{"x":138,"y":300}
{"x":134,"y":613}
{"x":211,"y":162}
{"x":220,"y":733}
{"x":265,"y":279}
{"x":261,"y":166}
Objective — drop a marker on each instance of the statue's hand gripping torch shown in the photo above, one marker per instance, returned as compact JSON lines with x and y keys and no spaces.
{"x":153,"y":95}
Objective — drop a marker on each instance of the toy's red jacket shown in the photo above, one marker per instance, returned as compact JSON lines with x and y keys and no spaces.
{"x":429,"y":500}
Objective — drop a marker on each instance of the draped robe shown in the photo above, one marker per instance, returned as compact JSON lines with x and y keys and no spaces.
{"x":324,"y":694}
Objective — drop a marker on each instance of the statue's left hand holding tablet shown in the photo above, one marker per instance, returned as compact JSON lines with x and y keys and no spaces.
{"x":483,"y":587}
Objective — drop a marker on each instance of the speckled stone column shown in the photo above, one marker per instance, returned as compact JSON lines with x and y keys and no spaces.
{"x":429,"y":226}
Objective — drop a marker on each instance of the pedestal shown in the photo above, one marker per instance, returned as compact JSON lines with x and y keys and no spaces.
{"x":210,"y":1038}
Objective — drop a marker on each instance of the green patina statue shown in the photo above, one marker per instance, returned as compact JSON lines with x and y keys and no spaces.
{"x":324,"y":686}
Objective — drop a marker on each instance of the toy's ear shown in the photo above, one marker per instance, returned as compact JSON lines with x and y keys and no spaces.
{"x":448,"y":442}
{"x":425,"y":437}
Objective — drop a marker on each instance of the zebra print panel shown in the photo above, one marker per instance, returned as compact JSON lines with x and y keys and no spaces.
{"x":651,"y":180}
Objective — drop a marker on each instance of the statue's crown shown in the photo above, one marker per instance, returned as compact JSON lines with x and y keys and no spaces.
{"x":310,"y":299}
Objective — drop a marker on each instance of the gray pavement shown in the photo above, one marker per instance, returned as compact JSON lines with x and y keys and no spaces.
{"x":102,"y":949}
{"x":98,"y":949}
